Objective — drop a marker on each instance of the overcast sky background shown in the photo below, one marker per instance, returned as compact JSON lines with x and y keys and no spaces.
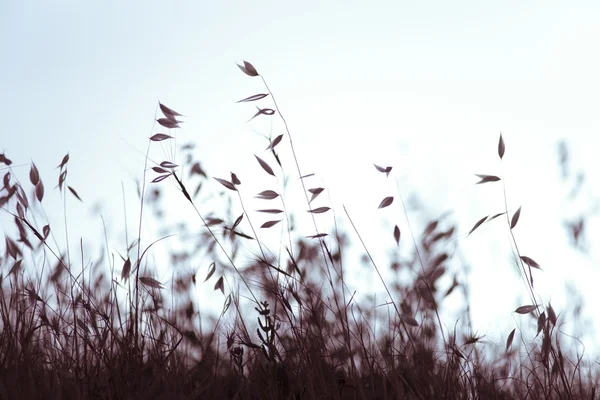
{"x":424,"y":87}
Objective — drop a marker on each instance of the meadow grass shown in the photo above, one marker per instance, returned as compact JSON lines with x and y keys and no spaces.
{"x":72,"y":332}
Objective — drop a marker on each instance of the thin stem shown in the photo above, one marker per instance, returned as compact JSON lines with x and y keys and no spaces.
{"x":380,"y":276}
{"x":514,"y":241}
{"x":139,"y":244}
{"x":427,"y":285}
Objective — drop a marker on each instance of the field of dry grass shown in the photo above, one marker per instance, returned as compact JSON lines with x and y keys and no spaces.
{"x":69,"y":331}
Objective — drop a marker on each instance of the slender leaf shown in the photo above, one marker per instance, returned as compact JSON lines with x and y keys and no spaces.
{"x":197,"y":169}
{"x":436,"y":274}
{"x":319,"y":210}
{"x":11,"y":248}
{"x":385,"y":170}
{"x":253,"y":98}
{"x":235,"y":180}
{"x":515,"y":218}
{"x":267,"y":195}
{"x":168,"y":164}
{"x":262,"y":111}
{"x":510,"y":338}
{"x":64,"y":161}
{"x":243,"y":235}
{"x":159,"y":137}
{"x":20,"y":211}
{"x":264,"y":165}
{"x":439,"y":260}
{"x":126,"y":269}
{"x":46,"y":231}
{"x":501,"y":147}
{"x":15,"y":268}
{"x":210,"y":221}
{"x":271,"y":211}
{"x":227,"y":184}
{"x":150,"y":282}
{"x":6,"y":181}
{"x":315,"y":192}
{"x":39,"y":190}
{"x":74,"y":193}
{"x":481,"y":221}
{"x":269,"y":224}
{"x":318,"y":235}
{"x":211,"y":271}
{"x":409,"y":320}
{"x":197,"y":190}
{"x":275,"y":142}
{"x":386,"y":202}
{"x":551,"y":314}
{"x":541,"y":322}
{"x":34,"y":175}
{"x":397,"y":235}
{"x":530,"y":262}
{"x":219,"y":285}
{"x":226,"y":307}
{"x":169,"y":113}
{"x":493,"y":217}
{"x":430,"y":227}
{"x":61,"y":179}
{"x":237,"y":221}
{"x":525,"y":309}
{"x":168,"y":123}
{"x":160,"y":178}
{"x":249,"y":69}
{"x":487,"y":178}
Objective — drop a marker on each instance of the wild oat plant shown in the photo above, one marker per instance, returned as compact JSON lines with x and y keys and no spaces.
{"x":290,"y":325}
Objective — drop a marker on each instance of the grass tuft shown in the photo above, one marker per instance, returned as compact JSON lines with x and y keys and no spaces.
{"x":293,"y":323}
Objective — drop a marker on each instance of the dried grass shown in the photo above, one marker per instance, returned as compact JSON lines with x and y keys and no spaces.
{"x":69,"y":332}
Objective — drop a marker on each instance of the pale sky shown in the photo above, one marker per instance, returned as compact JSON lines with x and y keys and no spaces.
{"x":425,"y":87}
